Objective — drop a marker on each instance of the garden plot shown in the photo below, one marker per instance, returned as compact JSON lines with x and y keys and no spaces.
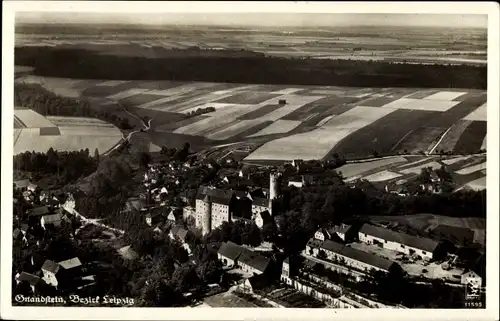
{"x":418,"y":169}
{"x":32,"y":119}
{"x":78,"y":121}
{"x":478,"y":114}
{"x":421,"y":104}
{"x":278,"y":127}
{"x":472,"y":138}
{"x":445,"y":95}
{"x":471,"y":169}
{"x":382,"y":176}
{"x":317,"y":143}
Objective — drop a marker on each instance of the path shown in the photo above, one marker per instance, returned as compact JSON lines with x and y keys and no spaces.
{"x":95,"y":222}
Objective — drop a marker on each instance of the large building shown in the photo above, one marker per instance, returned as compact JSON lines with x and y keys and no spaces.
{"x":215,"y":206}
{"x":400,"y":242}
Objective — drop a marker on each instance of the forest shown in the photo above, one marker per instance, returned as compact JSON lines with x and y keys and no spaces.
{"x":59,"y":167}
{"x":44,"y":102}
{"x":86,"y":64}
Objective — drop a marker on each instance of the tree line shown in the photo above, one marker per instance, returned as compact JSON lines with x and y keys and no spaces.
{"x":59,"y":167}
{"x":79,"y":63}
{"x":45,"y":102}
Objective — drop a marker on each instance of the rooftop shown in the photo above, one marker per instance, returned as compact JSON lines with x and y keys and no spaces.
{"x":258,"y":201}
{"x":230,"y":250}
{"x":421,"y":243}
{"x":50,"y":266}
{"x":71,"y":263}
{"x":254,"y":260}
{"x":38,"y":211}
{"x":28,"y":277}
{"x":216,"y":195}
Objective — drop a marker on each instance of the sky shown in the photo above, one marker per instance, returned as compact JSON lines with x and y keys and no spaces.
{"x":260,"y":19}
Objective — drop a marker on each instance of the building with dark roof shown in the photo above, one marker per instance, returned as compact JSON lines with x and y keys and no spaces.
{"x":312,"y":246}
{"x":32,"y":280}
{"x":354,"y":258}
{"x":396,"y":241}
{"x":52,"y":219}
{"x":252,"y":262}
{"x":38,"y":211}
{"x":229,"y":253}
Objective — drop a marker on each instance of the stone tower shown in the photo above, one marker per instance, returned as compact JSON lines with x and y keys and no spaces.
{"x":206,"y":219}
{"x":273,"y":188}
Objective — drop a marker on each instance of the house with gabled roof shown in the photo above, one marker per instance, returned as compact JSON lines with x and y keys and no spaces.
{"x":229,"y":253}
{"x":396,"y":241}
{"x":51,"y":219}
{"x":357,"y":259}
{"x":252,"y":262}
{"x":32,"y":280}
{"x":63,"y":272}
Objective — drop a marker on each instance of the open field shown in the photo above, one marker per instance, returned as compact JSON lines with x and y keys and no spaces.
{"x":63,"y":133}
{"x":315,"y":121}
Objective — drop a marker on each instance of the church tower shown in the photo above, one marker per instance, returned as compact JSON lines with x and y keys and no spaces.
{"x":206,"y":220}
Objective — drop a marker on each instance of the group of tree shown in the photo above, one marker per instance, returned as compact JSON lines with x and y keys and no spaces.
{"x":109,"y":188}
{"x":79,"y":63}
{"x":239,"y":232}
{"x":47,"y":103}
{"x":200,"y":111}
{"x":65,"y":167}
{"x":176,"y":154}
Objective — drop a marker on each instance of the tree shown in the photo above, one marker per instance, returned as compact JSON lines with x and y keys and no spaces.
{"x":96,"y":154}
{"x":269,"y":231}
{"x":145,"y":159}
{"x":185,"y":279}
{"x":251,"y":235}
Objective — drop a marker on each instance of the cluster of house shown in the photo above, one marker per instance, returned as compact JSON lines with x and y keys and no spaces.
{"x":233,"y":255}
{"x":45,"y":209}
{"x":67,"y":276}
{"x":432,"y":186}
{"x":331,"y":246}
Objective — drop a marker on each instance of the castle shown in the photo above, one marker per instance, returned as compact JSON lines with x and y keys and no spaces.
{"x":215,"y":206}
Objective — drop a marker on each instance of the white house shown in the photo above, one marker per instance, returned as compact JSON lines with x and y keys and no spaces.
{"x":322,"y":234}
{"x":396,"y":241}
{"x":471,"y":278}
{"x":52,"y":219}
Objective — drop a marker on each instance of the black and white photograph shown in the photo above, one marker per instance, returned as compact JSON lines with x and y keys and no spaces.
{"x":166,"y":156}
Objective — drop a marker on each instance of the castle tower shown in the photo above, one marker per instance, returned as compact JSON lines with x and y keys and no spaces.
{"x":206,"y":220}
{"x":273,"y":188}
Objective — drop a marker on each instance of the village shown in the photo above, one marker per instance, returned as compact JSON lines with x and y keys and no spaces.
{"x":258,"y":271}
